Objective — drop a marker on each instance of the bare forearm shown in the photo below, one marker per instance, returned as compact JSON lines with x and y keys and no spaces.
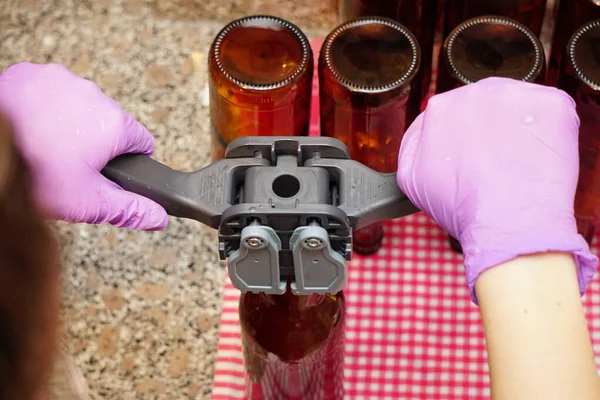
{"x":536,"y":333}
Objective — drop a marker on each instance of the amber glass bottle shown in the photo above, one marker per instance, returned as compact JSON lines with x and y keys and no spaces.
{"x":293,"y":346}
{"x":369,"y":97}
{"x":528,"y":12}
{"x":580,"y":78}
{"x":571,"y":15}
{"x":419,"y":16}
{"x":260,"y":80}
{"x":489,"y":46}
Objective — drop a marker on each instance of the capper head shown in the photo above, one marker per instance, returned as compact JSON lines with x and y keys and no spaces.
{"x":285,"y":225}
{"x":305,"y":204}
{"x":284,"y":207}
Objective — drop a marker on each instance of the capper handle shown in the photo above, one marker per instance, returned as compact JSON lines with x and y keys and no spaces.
{"x":191,"y":195}
{"x":366,"y":196}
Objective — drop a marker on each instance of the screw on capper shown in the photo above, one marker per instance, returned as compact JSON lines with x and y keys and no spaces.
{"x":312,"y":243}
{"x":254,"y":242}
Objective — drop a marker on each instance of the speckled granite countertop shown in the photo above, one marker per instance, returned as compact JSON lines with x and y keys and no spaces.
{"x":141,"y":310}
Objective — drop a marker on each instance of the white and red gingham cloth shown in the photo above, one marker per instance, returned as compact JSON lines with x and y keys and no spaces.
{"x":411,"y":331}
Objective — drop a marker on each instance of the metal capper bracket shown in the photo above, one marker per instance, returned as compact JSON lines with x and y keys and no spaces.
{"x":285,"y":207}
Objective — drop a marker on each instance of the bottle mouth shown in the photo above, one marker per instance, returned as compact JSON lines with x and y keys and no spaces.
{"x":371,"y":54}
{"x":489,"y":46}
{"x":261,"y":52}
{"x":584,"y":53}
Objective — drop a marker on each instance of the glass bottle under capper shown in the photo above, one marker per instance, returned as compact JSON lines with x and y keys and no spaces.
{"x":293,"y":345}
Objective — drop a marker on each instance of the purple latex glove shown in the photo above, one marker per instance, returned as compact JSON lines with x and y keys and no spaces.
{"x":68,"y":130}
{"x":495,"y":163}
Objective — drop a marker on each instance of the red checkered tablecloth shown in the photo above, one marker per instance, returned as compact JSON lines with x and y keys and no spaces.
{"x":412,"y":331}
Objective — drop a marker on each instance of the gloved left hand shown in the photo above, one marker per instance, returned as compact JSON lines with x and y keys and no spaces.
{"x":68,"y":130}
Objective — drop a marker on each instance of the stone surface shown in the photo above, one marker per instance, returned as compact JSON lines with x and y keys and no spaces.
{"x":141,"y":310}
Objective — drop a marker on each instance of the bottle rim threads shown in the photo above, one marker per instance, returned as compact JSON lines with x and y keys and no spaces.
{"x":450,"y":43}
{"x":298,"y":71}
{"x":581,"y":69}
{"x":407,"y":76}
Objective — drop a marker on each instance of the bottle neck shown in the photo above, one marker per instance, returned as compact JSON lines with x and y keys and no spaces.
{"x":292,"y":327}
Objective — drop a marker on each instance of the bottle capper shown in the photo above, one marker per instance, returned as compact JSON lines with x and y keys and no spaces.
{"x":284,"y":207}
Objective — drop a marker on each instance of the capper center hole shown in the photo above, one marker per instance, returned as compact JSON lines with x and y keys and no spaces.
{"x":286,"y":186}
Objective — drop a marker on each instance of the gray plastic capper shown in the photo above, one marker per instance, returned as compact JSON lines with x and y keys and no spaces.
{"x":284,"y":207}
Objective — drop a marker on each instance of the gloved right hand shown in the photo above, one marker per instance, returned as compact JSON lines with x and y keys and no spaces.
{"x":495,"y":163}
{"x":68,"y":130}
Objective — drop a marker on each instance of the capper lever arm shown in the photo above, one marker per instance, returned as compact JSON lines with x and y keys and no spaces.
{"x":285,"y":207}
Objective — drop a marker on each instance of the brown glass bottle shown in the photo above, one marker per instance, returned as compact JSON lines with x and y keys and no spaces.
{"x":419,"y":16}
{"x":489,"y":46}
{"x":293,"y":346}
{"x":369,"y":97}
{"x":260,"y":81}
{"x":571,"y":15}
{"x":580,"y":78}
{"x":527,"y":12}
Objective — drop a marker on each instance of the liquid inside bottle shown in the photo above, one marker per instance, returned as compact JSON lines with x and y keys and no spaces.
{"x":293,"y":345}
{"x":527,"y":12}
{"x":260,"y":81}
{"x":570,"y":15}
{"x":369,"y":97}
{"x":580,"y":78}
